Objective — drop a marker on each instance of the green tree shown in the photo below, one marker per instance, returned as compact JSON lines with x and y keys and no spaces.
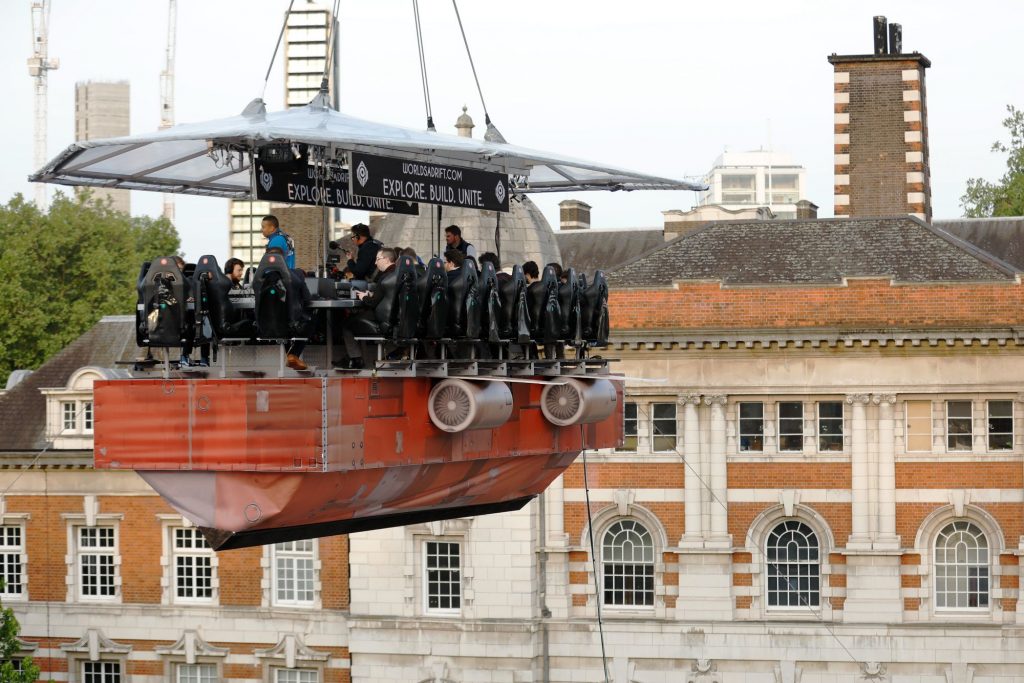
{"x":62,"y":270}
{"x":1005,"y":197}
{"x":9,"y":648}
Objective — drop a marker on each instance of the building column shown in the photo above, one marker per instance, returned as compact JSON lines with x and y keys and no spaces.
{"x":718,"y":472}
{"x":693,"y":534}
{"x":861,"y":536}
{"x":887,"y":538}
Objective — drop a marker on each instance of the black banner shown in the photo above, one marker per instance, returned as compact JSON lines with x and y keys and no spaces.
{"x":428,"y":183}
{"x":306,"y":187}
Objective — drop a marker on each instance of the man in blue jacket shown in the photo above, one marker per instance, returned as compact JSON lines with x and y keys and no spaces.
{"x":271,"y":229}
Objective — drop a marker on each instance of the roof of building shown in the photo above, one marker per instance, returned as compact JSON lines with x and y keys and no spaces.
{"x":1003,"y":237}
{"x":23,"y":408}
{"x":589,"y":250}
{"x":821,"y":251}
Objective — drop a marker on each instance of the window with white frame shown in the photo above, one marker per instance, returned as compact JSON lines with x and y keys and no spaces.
{"x":959,"y":425}
{"x":101,"y":672}
{"x":1000,"y":425}
{"x":69,"y":416}
{"x":295,"y":573}
{"x":76,"y":417}
{"x":791,"y":426}
{"x":442,"y":576}
{"x":919,"y":426}
{"x":629,"y":426}
{"x":663,"y":427}
{"x":87,"y":417}
{"x":97,"y":567}
{"x":193,"y":565}
{"x":296,"y":676}
{"x":830,"y":426}
{"x":196,"y":673}
{"x":12,"y":548}
{"x":627,"y":561}
{"x":961,"y":567}
{"x":751,"y":416}
{"x":792,"y":558}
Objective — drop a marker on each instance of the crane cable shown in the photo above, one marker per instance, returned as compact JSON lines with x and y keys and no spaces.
{"x":487,"y":117}
{"x":593,"y":557}
{"x":423,"y":66}
{"x":277,"y":46}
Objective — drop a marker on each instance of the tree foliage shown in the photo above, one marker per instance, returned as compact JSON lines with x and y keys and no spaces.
{"x":1005,"y":197}
{"x":9,"y":649}
{"x":64,"y":269}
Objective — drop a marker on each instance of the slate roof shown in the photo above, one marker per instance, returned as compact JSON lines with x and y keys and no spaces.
{"x":23,"y":408}
{"x":1002,"y":237}
{"x":590,"y":250}
{"x":821,"y":251}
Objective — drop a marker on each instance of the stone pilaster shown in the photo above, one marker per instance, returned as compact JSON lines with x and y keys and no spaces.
{"x":717,"y":473}
{"x":861,"y":536}
{"x":693,"y":534}
{"x":886,"y":537}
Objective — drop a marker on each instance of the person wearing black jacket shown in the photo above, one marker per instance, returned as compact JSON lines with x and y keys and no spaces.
{"x":362,"y":266}
{"x":367,"y":315}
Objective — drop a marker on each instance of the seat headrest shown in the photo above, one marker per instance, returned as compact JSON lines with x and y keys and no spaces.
{"x":208,"y":265}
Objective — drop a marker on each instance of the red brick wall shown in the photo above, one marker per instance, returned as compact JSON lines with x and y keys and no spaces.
{"x":616,"y":475}
{"x":864,"y":303}
{"x":758,"y":475}
{"x":957,"y":475}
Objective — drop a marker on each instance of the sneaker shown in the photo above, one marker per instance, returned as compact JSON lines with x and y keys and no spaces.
{"x":355,"y":364}
{"x":296,"y":363}
{"x":203,"y":363}
{"x":184,"y":361}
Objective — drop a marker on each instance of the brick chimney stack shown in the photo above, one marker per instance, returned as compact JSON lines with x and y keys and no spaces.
{"x":881,"y":130}
{"x":574,"y":215}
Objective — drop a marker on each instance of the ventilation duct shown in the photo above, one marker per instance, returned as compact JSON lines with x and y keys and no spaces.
{"x":578,"y":401}
{"x":456,"y":405}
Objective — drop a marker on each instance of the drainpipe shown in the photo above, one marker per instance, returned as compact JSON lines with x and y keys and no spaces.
{"x":542,"y":587}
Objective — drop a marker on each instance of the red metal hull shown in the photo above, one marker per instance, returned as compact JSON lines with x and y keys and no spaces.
{"x":260,"y":461}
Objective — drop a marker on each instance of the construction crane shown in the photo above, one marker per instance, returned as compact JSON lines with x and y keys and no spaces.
{"x":167,"y":90}
{"x":39,"y":64}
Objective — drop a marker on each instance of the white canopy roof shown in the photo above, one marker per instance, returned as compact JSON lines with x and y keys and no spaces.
{"x":212,"y":157}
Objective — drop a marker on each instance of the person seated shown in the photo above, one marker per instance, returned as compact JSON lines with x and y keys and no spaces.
{"x":409,"y":251}
{"x":234,"y":268}
{"x":492,"y":258}
{"x":360,"y":265}
{"x":531,"y":272}
{"x":366,"y":317}
{"x":453,"y":260}
{"x":559,"y":275}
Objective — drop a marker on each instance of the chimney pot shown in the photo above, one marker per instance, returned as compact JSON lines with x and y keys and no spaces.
{"x":881,"y":46}
{"x":574,"y":215}
{"x":806,"y":210}
{"x":895,"y":39}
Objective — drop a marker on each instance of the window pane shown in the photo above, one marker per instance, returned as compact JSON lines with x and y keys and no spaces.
{"x":193,"y":565}
{"x":1000,"y":425}
{"x":751,"y":426}
{"x":101,"y":672}
{"x":959,"y":425}
{"x":629,"y":424}
{"x":830,"y":426}
{"x":627,"y":559}
{"x":792,"y":555}
{"x":295,"y":573}
{"x":919,"y":426}
{"x":791,"y":426}
{"x":11,"y":560}
{"x":87,"y":416}
{"x":663,"y":426}
{"x":68,"y":416}
{"x":442,"y":576}
{"x":197,"y":673}
{"x":961,"y":567}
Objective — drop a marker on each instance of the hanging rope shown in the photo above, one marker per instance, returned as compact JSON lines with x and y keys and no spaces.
{"x":487,"y":117}
{"x":423,"y":66}
{"x":277,"y":46}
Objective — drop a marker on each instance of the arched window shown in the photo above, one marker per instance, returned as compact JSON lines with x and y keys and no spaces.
{"x":792,"y":558}
{"x":627,"y":557}
{"x":961,"y":567}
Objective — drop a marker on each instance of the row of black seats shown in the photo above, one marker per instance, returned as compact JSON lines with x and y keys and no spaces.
{"x":472,"y":304}
{"x":468,"y":304}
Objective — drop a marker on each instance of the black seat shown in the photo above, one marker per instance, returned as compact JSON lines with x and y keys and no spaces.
{"x":545,"y":312}
{"x":396,"y":314}
{"x":515,"y":314}
{"x":279,"y":300}
{"x":569,"y":303}
{"x":464,"y":302}
{"x":216,"y":317}
{"x":594,"y":310}
{"x":140,"y":315}
{"x":490,"y":305}
{"x":432,"y":288}
{"x":407,"y":299}
{"x":164,"y":309}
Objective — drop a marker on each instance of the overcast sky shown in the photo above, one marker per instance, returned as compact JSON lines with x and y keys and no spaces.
{"x":662,"y":87}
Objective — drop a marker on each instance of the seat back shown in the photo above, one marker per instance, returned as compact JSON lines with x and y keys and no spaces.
{"x":569,"y":303}
{"x":594,"y":310}
{"x":464,"y":302}
{"x":140,"y":315}
{"x":545,"y":311}
{"x":385,"y":291}
{"x":490,"y":304}
{"x":214,"y":309}
{"x":278,"y":303}
{"x":407,"y":299}
{"x":433,"y":295}
{"x":164,"y":304}
{"x":515,"y":313}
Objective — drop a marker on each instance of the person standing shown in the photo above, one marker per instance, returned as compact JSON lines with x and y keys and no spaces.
{"x":453,"y":238}
{"x":277,"y":238}
{"x":362,"y":264}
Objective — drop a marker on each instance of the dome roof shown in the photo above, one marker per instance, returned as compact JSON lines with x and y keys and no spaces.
{"x":525,"y":233}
